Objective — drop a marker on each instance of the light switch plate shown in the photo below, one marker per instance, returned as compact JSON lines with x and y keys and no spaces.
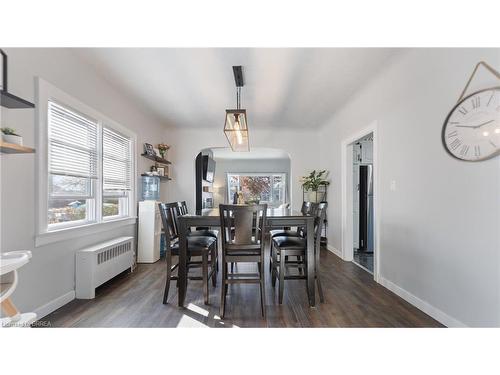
{"x":392,"y":186}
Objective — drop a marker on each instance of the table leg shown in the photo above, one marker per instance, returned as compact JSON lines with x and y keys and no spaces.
{"x":310,"y":262}
{"x":182,"y":272}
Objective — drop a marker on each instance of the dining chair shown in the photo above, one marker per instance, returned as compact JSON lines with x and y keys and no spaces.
{"x":182,"y":209}
{"x":243,"y":228}
{"x":306,"y":209}
{"x":197,"y":246}
{"x":283,"y":246}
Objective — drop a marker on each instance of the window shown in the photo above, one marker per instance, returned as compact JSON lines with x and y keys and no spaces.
{"x":117,"y":174}
{"x":86,"y":168}
{"x":262,"y":187}
{"x":72,"y":166}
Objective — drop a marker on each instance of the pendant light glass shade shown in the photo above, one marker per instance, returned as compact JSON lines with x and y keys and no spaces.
{"x":236,"y":129}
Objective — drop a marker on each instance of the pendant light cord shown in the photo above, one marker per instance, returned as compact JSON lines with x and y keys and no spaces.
{"x":238,"y":97}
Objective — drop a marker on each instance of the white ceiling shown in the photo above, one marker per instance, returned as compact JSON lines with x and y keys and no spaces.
{"x":255,"y":153}
{"x":286,"y":87}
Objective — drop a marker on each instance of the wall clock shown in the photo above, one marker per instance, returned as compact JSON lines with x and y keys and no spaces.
{"x":471,"y":131}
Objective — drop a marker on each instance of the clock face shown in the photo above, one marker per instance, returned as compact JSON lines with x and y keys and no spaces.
{"x":471,"y":131}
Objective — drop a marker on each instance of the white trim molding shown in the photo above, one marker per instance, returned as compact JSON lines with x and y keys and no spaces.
{"x":422,"y":305}
{"x":346,"y":197}
{"x":334,"y":250}
{"x":83,"y":230}
{"x":54,"y":304}
{"x":44,"y":92}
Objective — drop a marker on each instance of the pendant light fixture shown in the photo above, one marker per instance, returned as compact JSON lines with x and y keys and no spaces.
{"x":235,"y":126}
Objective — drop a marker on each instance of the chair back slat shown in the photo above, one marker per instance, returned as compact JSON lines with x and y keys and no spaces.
{"x":243,"y":227}
{"x":319,"y":218}
{"x":243,"y":224}
{"x":169,"y":215}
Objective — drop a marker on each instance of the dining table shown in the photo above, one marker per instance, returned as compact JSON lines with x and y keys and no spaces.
{"x":275,"y":218}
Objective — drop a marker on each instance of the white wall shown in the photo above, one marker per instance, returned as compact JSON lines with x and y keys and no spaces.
{"x":439,"y":231}
{"x":50,"y":274}
{"x":224,"y":166}
{"x":300,"y":145}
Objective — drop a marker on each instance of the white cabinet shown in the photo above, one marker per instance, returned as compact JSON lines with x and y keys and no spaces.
{"x":149,"y":232}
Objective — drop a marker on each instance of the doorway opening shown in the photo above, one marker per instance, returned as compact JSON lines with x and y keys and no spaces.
{"x":362,"y":174}
{"x":359,"y":200}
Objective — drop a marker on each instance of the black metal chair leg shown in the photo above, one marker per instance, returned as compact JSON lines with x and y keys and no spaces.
{"x":318,"y":280}
{"x":168,"y":257}
{"x":214,"y":266}
{"x":262,"y":289}
{"x":282,"y":277}
{"x":205,"y":276}
{"x":223,"y":289}
{"x":274,"y":270}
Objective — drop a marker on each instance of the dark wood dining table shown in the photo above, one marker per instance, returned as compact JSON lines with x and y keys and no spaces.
{"x":276,"y":218}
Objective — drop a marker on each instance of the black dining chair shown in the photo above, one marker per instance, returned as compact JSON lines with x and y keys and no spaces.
{"x":243,"y":228}
{"x":306,"y":209}
{"x":182,"y":209}
{"x":283,"y":246}
{"x":197,"y":246}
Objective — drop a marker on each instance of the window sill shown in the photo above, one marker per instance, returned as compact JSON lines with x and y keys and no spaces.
{"x":83,"y":230}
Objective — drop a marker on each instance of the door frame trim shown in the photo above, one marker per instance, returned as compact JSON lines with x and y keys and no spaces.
{"x":347,"y":197}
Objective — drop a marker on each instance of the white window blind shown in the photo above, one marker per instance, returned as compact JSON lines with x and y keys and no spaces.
{"x":72,"y":143}
{"x":117,"y":161}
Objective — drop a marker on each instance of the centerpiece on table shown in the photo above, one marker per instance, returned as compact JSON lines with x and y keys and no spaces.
{"x":315,"y":185}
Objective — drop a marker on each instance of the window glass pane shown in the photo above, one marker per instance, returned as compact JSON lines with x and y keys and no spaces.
{"x":256,"y":187}
{"x":69,"y":186}
{"x":110,"y":207}
{"x":67,"y":210}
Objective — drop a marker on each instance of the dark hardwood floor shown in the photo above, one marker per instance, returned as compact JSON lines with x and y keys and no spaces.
{"x":353,"y":299}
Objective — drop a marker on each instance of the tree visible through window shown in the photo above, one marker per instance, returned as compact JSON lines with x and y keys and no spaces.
{"x":258,"y":187}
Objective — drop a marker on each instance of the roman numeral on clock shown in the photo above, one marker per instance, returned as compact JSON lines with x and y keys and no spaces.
{"x":463,"y":111}
{"x":464,"y":150}
{"x":455,"y":144}
{"x":491,"y":97}
{"x":476,"y":102}
{"x":477,"y":150}
{"x":452,"y":134}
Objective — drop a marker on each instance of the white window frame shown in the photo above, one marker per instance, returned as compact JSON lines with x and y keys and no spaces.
{"x":44,"y":92}
{"x":284,"y":174}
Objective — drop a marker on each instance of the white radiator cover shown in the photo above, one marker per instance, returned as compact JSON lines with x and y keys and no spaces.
{"x":97,"y":264}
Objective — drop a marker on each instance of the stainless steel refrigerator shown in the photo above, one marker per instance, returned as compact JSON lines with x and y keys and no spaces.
{"x":366,"y":208}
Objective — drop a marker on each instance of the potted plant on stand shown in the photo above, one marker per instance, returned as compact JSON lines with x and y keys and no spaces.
{"x":9,"y":136}
{"x":312,"y":184}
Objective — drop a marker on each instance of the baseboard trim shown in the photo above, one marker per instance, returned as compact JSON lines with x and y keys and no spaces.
{"x":427,"y":308}
{"x":334,"y":250}
{"x":54,"y":304}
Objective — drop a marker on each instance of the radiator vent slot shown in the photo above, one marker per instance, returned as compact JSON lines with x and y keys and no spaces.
{"x":113,"y":252}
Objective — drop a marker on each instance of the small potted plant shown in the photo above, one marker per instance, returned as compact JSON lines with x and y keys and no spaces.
{"x":162,"y":149}
{"x":313,"y":182}
{"x":9,"y":135}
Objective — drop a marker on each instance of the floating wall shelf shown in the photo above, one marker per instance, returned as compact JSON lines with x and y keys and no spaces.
{"x":11,"y":148}
{"x":156,"y":159}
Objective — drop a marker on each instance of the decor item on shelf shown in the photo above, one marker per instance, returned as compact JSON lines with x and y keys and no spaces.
{"x":160,"y":171}
{"x":149,"y":150}
{"x":236,"y":126}
{"x":471,"y":131}
{"x":312,"y":184}
{"x":163,"y":148}
{"x":7,"y":99}
{"x":9,"y":135}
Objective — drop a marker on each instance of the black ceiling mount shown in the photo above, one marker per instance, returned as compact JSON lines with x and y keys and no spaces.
{"x":7,"y":99}
{"x":238,"y":76}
